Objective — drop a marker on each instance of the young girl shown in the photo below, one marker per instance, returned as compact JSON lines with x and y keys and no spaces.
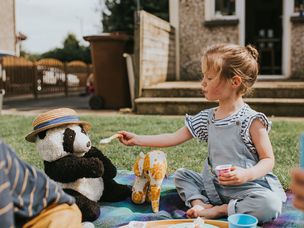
{"x":236,"y":135}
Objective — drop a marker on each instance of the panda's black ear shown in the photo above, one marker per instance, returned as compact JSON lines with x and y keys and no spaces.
{"x":82,"y":129}
{"x":68,"y":140}
{"x":42,"y":134}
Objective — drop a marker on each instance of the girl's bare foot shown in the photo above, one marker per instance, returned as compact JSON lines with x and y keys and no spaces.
{"x":214,"y":212}
{"x":198,"y":205}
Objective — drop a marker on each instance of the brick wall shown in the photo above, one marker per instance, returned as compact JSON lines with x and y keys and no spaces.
{"x":195,"y":37}
{"x":297,"y":54}
{"x":7,"y":26}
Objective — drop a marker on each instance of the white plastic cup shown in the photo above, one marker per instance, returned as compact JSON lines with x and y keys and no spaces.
{"x":220,"y":169}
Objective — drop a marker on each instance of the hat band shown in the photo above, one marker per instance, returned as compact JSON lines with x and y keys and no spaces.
{"x":57,"y":120}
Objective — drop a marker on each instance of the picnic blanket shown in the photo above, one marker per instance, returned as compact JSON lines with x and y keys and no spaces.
{"x":172,"y":207}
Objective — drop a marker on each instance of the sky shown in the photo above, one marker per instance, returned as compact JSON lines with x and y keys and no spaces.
{"x":46,"y":23}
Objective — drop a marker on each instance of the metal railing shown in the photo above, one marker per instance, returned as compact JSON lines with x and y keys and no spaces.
{"x":19,"y":76}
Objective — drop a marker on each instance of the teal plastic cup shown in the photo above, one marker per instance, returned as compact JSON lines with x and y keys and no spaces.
{"x":242,"y":221}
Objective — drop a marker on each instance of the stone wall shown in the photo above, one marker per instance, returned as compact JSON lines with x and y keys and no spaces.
{"x":195,"y":36}
{"x":155,"y":53}
{"x":297,"y":54}
{"x":7,"y":26}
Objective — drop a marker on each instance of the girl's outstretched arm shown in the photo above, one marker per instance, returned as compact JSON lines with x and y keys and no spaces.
{"x":162,"y":140}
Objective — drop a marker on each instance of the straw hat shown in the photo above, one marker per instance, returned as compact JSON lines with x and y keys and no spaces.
{"x":55,"y":118}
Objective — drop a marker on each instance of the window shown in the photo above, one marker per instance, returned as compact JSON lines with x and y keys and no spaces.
{"x":224,"y":7}
{"x":299,"y":7}
{"x":221,"y":9}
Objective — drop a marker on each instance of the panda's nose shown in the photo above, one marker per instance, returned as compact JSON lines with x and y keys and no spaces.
{"x":89,"y":144}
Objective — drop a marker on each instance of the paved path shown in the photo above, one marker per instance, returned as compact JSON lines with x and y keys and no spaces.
{"x":32,"y":107}
{"x":258,"y":84}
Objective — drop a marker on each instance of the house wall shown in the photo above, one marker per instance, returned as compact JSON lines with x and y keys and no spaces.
{"x":297,"y":51}
{"x":7,"y":26}
{"x":195,"y":37}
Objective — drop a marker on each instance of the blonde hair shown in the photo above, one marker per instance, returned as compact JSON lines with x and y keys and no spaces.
{"x":229,"y":60}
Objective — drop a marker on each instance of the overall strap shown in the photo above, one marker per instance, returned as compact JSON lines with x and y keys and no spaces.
{"x":209,"y":186}
{"x":211,"y":192}
{"x":210,"y":115}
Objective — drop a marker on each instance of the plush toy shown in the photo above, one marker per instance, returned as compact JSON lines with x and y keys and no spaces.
{"x":149,"y":170}
{"x":82,"y":170}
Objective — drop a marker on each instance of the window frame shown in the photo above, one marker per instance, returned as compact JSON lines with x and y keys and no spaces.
{"x":293,"y":13}
{"x":210,"y":14}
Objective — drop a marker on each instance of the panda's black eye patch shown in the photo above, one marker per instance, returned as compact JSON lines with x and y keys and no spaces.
{"x":68,"y":140}
{"x":42,"y":134}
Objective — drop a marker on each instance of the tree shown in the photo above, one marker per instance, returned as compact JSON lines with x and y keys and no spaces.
{"x":121,"y":16}
{"x":71,"y":50}
{"x":29,"y":56}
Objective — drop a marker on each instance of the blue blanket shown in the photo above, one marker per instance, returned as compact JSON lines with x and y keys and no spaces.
{"x":172,"y":207}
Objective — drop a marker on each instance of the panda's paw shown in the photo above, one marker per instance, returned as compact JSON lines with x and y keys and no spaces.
{"x":96,"y":167}
{"x":94,"y":152}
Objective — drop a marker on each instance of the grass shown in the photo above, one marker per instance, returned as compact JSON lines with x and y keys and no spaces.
{"x":284,"y":137}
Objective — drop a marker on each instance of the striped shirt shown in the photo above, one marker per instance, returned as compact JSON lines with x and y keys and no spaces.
{"x":24,"y":190}
{"x":198,"y":124}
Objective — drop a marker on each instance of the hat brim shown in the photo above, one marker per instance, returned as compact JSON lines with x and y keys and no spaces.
{"x":31,"y":137}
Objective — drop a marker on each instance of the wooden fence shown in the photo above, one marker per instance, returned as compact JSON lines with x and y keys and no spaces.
{"x":154,"y":51}
{"x":19,"y":76}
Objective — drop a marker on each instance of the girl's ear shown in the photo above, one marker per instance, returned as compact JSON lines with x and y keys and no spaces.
{"x":236,"y":81}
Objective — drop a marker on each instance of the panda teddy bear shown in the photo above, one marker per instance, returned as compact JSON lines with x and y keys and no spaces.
{"x":69,"y":158}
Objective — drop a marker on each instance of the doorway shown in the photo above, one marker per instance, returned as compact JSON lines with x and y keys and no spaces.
{"x":263,"y":29}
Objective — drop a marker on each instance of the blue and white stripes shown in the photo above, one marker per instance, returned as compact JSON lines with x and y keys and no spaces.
{"x":24,"y":190}
{"x":58,"y":120}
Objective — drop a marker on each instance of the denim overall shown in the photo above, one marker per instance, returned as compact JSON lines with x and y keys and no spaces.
{"x":261,"y":198}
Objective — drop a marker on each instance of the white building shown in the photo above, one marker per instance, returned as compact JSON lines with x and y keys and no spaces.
{"x":275,"y":27}
{"x":9,"y":39}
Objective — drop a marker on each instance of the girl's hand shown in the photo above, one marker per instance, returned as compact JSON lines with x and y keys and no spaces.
{"x":128,"y":138}
{"x":236,"y":176}
{"x":297,"y":187}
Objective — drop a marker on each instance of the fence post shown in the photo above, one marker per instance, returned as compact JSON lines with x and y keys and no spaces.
{"x":2,"y":91}
{"x":88,"y":70}
{"x":66,"y":84}
{"x":35,"y":81}
{"x":2,"y":76}
{"x":1,"y":80}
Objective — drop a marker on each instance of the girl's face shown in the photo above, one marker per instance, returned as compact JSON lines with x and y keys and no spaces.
{"x":213,"y":86}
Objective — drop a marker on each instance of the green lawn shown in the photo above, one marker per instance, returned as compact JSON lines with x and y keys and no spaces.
{"x":284,"y":137}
